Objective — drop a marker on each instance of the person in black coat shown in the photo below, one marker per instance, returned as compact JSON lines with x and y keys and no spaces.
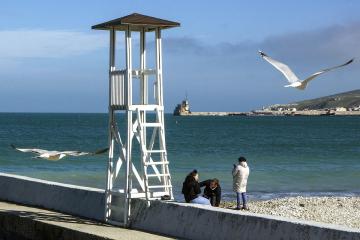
{"x":212,"y":191}
{"x":191,"y":189}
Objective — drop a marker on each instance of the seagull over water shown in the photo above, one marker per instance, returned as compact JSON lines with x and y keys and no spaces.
{"x":57,"y":155}
{"x":291,"y":77}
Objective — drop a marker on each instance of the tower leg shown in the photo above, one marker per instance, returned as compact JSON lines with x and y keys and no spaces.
{"x":110,"y":168}
{"x":127,"y":190}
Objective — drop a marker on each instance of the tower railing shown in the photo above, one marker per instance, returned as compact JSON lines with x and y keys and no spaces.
{"x":118,"y":86}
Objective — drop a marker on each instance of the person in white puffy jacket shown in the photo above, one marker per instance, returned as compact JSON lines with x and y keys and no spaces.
{"x":240,"y":174}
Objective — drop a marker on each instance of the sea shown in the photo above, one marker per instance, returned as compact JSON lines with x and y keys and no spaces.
{"x":288,"y":156}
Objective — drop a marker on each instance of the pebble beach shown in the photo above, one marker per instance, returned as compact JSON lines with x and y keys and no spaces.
{"x":344,"y":211}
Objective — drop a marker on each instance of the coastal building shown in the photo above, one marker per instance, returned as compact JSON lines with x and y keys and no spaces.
{"x":341,"y":109}
{"x":356,"y":108}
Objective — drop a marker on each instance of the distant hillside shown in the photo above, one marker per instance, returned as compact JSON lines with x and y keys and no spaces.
{"x":347,"y":99}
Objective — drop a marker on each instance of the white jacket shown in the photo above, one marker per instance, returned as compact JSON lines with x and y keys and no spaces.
{"x":240,"y":175}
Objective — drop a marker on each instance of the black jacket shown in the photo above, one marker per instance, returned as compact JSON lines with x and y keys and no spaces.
{"x":191,"y":188}
{"x":214,"y":195}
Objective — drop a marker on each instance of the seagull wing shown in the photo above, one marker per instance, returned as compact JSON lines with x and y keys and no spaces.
{"x":32,"y":150}
{"x":283,"y":68}
{"x":324,"y":71}
{"x":79,"y":153}
{"x":100,"y":151}
{"x":75,"y":153}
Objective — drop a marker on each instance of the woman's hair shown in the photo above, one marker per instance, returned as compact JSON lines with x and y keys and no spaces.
{"x":216,"y":181}
{"x":193,"y":173}
{"x":242,"y":159}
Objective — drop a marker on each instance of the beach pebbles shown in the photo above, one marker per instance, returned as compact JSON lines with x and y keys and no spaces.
{"x":335,"y":210}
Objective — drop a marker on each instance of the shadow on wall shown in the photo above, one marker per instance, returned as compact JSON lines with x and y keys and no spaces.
{"x":50,"y":217}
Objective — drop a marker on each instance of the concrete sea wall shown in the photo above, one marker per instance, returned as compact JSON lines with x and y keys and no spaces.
{"x":170,"y":218}
{"x":66,"y":198}
{"x":203,"y":222}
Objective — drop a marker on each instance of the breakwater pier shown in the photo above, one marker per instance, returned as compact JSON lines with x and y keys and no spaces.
{"x":274,"y":113}
{"x":215,"y":114}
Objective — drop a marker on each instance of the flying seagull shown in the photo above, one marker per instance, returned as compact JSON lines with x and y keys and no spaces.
{"x":57,"y":155}
{"x":291,"y":77}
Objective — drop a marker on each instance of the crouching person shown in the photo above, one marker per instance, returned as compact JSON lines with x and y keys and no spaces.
{"x":212,"y":191}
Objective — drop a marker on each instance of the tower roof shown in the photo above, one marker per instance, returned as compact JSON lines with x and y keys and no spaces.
{"x":137,"y":22}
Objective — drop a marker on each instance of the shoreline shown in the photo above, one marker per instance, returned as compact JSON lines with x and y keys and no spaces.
{"x":272,"y":113}
{"x":343,"y":211}
{"x":229,"y":196}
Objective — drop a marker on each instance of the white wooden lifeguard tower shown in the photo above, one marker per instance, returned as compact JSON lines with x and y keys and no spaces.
{"x":143,"y":121}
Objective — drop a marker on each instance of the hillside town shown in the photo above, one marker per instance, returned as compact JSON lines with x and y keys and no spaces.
{"x":343,"y":104}
{"x":291,"y":109}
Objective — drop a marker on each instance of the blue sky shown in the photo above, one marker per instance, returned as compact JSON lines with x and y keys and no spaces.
{"x":51,"y":61}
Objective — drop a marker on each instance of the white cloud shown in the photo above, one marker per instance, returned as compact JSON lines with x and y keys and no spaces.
{"x":35,"y":43}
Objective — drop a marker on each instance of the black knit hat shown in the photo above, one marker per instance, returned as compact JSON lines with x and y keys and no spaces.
{"x":242,"y":159}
